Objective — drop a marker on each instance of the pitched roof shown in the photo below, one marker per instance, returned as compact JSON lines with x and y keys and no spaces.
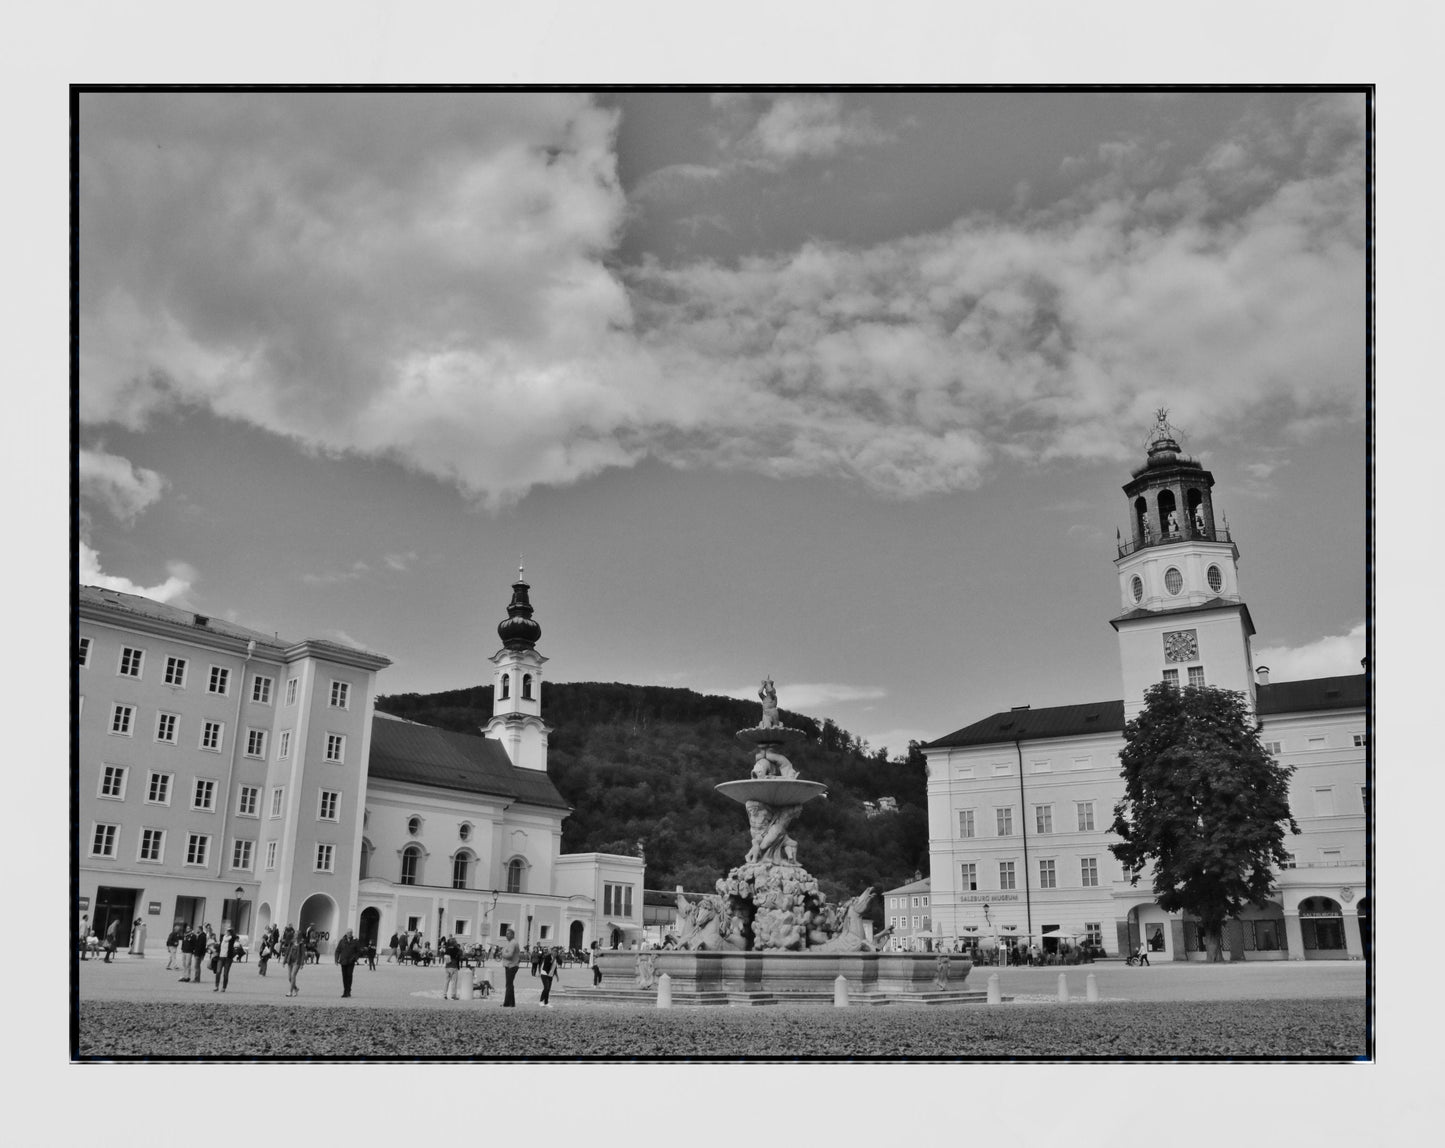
{"x":913,"y":887}
{"x":159,"y":611}
{"x":1031,"y":725}
{"x":425,"y":755}
{"x":1352,"y":691}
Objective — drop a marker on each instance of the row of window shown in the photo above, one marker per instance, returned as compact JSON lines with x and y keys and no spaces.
{"x":213,"y":734}
{"x":617,"y":900}
{"x":151,"y":847}
{"x":1043,"y":820}
{"x":1196,"y":676}
{"x":131,"y":664}
{"x":1048,"y":874}
{"x":526,"y":687}
{"x":902,"y":922}
{"x":1006,"y":768}
{"x":902,"y":902}
{"x":411,"y":866}
{"x":113,"y":780}
{"x":1358,"y":740}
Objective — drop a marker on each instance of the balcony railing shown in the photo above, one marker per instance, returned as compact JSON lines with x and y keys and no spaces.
{"x":1183,"y":534}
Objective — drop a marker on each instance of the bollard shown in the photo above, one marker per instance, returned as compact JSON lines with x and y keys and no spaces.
{"x":1091,"y":989}
{"x":664,"y":991}
{"x":840,"y":992}
{"x":1063,"y":989}
{"x":465,"y":983}
{"x":994,"y":996}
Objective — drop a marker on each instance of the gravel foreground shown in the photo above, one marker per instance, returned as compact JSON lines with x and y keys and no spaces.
{"x":1288,"y":1029}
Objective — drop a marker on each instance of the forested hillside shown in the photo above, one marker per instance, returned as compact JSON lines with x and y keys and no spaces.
{"x":638,"y":764}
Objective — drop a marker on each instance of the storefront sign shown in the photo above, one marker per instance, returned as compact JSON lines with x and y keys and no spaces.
{"x":154,"y":908}
{"x":84,"y":903}
{"x":989,"y":897}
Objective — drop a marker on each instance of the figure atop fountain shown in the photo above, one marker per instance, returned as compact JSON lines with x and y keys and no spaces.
{"x":769,"y":695}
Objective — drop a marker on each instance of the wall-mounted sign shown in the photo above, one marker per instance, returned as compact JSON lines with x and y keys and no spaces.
{"x":84,"y":903}
{"x":989,"y":897}
{"x":154,"y":908}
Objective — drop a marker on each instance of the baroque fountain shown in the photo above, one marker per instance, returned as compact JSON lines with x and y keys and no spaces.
{"x":768,"y":933}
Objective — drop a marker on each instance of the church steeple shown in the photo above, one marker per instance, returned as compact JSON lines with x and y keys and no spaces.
{"x":1183,"y":618}
{"x":517,"y":684}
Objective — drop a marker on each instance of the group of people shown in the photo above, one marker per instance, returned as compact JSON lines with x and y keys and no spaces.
{"x":202,"y":947}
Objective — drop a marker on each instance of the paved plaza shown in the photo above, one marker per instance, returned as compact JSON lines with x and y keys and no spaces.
{"x":405,"y":986}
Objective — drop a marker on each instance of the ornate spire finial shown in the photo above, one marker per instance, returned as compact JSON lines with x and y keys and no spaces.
{"x":521,"y":569}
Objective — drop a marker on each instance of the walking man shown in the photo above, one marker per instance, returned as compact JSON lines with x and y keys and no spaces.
{"x":452,"y":955}
{"x":173,"y":942}
{"x":225,"y":953}
{"x":511,"y":960}
{"x":346,"y":954}
{"x":110,"y":932}
{"x":547,"y":970}
{"x":394,"y":945}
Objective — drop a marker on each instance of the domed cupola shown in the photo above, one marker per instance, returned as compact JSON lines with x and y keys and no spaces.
{"x":518,"y":631}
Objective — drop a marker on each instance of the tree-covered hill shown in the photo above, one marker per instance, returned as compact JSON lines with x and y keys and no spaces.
{"x":639,"y":763}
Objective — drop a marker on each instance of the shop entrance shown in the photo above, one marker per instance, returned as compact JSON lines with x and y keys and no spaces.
{"x":369,"y":926}
{"x":113,"y":904}
{"x":190,"y":911}
{"x":574,"y":936}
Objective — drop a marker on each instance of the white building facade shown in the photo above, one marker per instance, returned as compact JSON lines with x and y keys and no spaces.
{"x":1020,"y":803}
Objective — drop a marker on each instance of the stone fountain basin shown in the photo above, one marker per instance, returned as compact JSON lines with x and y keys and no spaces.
{"x":785,"y":972}
{"x":777,"y":735}
{"x":773,"y":790}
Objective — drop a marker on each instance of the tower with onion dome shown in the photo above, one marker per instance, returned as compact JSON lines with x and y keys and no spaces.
{"x":517,"y":685}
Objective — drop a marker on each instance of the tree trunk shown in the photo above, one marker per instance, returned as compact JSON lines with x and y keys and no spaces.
{"x":1214,"y":944}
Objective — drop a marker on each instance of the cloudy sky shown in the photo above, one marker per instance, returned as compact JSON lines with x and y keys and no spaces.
{"x":840,"y":387}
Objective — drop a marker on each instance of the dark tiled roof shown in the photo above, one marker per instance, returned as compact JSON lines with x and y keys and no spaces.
{"x":425,"y":755}
{"x":1349,"y":692}
{"x":1032,"y":724}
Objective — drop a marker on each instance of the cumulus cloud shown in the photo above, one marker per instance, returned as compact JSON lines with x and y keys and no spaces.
{"x":428,"y":278}
{"x":1327,"y":657}
{"x":120,"y":486}
{"x":173,"y":589}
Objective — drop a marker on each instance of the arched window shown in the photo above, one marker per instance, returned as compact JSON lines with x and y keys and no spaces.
{"x":1141,"y":519}
{"x":413,"y":825}
{"x":365,"y":869}
{"x":410,"y":865}
{"x":1166,"y":508}
{"x":461,"y":866}
{"x":514,"y":876}
{"x":506,"y":685}
{"x":527,"y":686}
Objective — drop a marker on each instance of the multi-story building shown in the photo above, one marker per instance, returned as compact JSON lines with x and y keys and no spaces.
{"x":1020,"y":802}
{"x":907,"y":912}
{"x":224,"y":775}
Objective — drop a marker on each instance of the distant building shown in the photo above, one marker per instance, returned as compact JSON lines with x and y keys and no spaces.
{"x":906,"y":910}
{"x":882,"y":806}
{"x":1020,"y":802}
{"x":225,"y":774}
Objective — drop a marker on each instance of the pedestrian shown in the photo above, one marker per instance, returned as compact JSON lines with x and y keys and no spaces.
{"x":347,"y":951}
{"x":452,"y":958}
{"x":264,"y":954}
{"x":370,"y":949}
{"x":226,"y":948}
{"x":547,"y":969}
{"x":110,"y":934}
{"x":295,"y":956}
{"x":596,"y":968}
{"x":173,"y":944}
{"x":395,"y":945}
{"x":511,"y":960}
{"x":536,"y":958}
{"x":84,"y":933}
{"x":1143,"y":953}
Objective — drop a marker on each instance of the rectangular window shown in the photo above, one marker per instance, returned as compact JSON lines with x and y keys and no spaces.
{"x":1048,"y":879}
{"x":198,"y":848}
{"x":965,"y":823}
{"x":1043,"y":818}
{"x":290,"y":691}
{"x":84,"y":659}
{"x":1088,"y":871}
{"x":327,"y":805}
{"x":1196,"y":675}
{"x":925,"y":902}
{"x":175,"y":672}
{"x":968,"y":877}
{"x":278,"y":801}
{"x":102,"y":841}
{"x":1359,"y":740}
{"x":1083,"y":762}
{"x":1042,"y":765}
{"x":340,"y":695}
{"x":325,"y":857}
{"x":1317,"y":743}
{"x":120,"y":719}
{"x":203,"y":796}
{"x":220,"y":680}
{"x":1002,"y":767}
{"x":1272,"y":747}
{"x":248,"y":801}
{"x":270,"y":855}
{"x":915,"y":922}
{"x":112,"y":782}
{"x":130,"y":662}
{"x":261,"y":690}
{"x":1005,"y":819}
{"x":963,"y":772}
{"x":166,"y":728}
{"x":152,"y":845}
{"x":336,"y":747}
{"x":241,"y":854}
{"x":1325,"y":802}
{"x":1085,"y":812}
{"x":1171,"y":678}
{"x":211,"y":733}
{"x":1094,"y":933}
{"x":607,"y":909}
{"x":283,"y":750}
{"x":158,"y":788}
{"x":1006,"y":875}
{"x":461,"y":927}
{"x":915,"y":902}
{"x":255,"y":743}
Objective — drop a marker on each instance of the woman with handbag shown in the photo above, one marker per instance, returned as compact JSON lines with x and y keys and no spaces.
{"x":295,"y":958}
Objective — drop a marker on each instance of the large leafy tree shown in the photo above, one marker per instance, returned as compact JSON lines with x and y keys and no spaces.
{"x":1203,"y":803}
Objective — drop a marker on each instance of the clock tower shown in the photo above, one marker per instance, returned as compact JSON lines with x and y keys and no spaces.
{"x":517,"y":685}
{"x":1183,"y":619}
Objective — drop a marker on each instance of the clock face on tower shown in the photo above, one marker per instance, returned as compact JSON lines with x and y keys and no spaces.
{"x":1181,"y":646}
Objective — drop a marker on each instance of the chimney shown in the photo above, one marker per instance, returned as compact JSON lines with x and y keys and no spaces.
{"x":1262,"y":672}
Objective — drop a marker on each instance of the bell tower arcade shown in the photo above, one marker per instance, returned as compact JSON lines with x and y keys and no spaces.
{"x":517,"y":685}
